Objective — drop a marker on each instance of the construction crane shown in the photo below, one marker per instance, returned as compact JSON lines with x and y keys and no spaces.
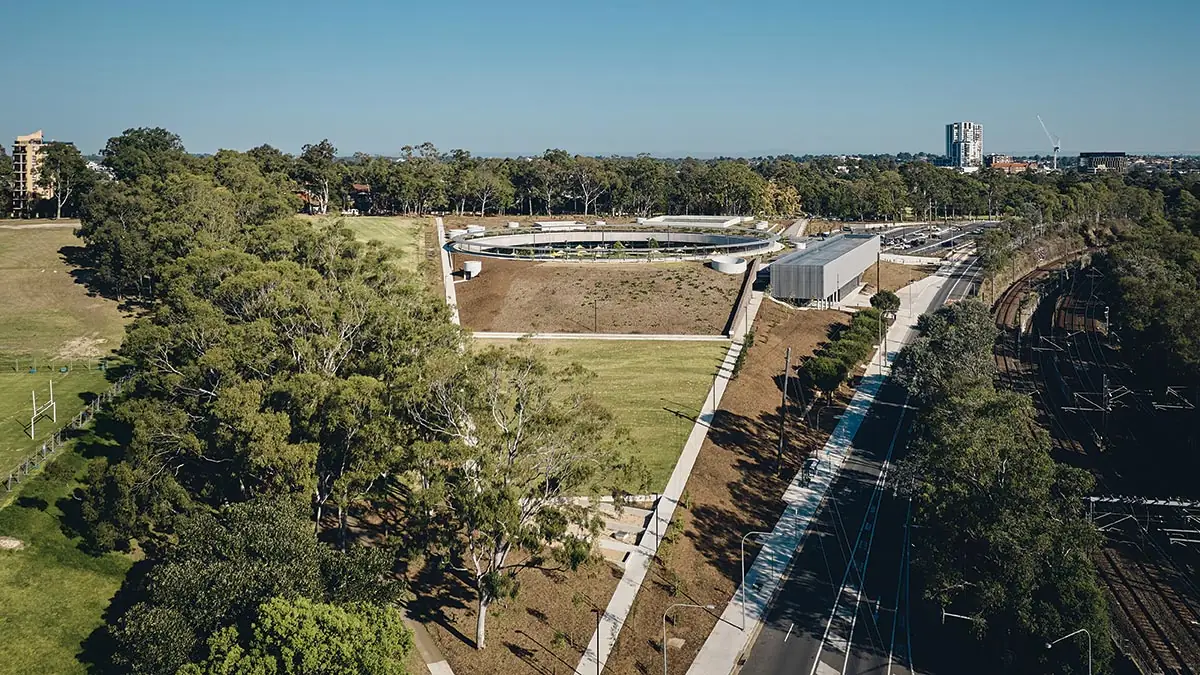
{"x":1056,"y":142}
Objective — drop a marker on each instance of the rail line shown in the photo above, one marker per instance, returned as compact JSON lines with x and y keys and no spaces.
{"x":1157,"y":620}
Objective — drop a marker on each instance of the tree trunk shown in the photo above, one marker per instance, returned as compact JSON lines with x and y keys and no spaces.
{"x":481,"y":621}
{"x":58,"y":209}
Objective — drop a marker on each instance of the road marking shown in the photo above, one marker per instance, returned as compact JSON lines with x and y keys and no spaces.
{"x":868,"y":526}
{"x":789,"y":633}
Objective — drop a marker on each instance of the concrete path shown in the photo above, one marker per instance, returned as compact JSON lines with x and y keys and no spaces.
{"x":40,"y":226}
{"x":638,"y":563}
{"x":493,"y":335}
{"x":434,"y":660}
{"x":729,"y":639}
{"x":447,"y":273}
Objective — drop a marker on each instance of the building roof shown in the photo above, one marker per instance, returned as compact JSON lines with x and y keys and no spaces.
{"x":1101,"y":154}
{"x":360,"y":187}
{"x":824,"y":252}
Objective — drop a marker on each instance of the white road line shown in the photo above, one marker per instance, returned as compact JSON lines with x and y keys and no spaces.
{"x":789,"y":633}
{"x":876,"y":496}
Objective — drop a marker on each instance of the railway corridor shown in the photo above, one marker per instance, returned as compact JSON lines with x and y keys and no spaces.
{"x":1065,"y":362}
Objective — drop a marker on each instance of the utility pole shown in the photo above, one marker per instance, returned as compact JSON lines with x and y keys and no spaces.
{"x":787,"y":368}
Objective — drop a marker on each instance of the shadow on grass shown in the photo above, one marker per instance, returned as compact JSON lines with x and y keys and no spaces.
{"x":442,"y":588}
{"x":85,"y":273}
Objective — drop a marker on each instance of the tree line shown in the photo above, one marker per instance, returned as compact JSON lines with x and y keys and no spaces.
{"x":999,"y":529}
{"x":306,"y":426}
{"x":422,"y":179}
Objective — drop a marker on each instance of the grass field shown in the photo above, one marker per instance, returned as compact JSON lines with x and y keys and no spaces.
{"x":52,"y":594}
{"x":72,"y":391}
{"x":47,"y":320}
{"x":45,"y":312}
{"x":406,"y":235}
{"x":655,"y":389}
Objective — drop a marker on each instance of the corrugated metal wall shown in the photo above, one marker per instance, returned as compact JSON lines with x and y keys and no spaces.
{"x":820,"y":281}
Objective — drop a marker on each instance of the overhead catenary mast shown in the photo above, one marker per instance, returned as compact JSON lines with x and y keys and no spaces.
{"x":1054,"y":141}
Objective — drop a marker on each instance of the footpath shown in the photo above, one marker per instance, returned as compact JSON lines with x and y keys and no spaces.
{"x":728,"y":640}
{"x":637,"y":565}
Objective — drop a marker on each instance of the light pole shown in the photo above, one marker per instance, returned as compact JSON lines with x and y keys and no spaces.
{"x":1089,"y":637}
{"x":748,"y":534}
{"x":599,"y":613}
{"x":664,"y":625}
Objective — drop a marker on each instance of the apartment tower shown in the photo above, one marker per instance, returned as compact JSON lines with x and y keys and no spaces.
{"x":26,"y":152}
{"x":964,"y":144}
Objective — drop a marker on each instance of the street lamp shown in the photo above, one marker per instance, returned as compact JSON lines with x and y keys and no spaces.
{"x":747,"y":535}
{"x":664,"y":625}
{"x":1089,"y":637}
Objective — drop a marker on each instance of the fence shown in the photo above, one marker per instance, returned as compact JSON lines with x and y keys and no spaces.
{"x":39,"y":457}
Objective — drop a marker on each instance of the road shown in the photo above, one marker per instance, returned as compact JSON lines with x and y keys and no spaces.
{"x":845,"y":605}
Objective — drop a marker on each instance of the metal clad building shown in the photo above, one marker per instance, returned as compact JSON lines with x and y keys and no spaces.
{"x":826,"y":270}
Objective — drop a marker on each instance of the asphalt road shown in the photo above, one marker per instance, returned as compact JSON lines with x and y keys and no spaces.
{"x":826,"y":604}
{"x":832,"y":616}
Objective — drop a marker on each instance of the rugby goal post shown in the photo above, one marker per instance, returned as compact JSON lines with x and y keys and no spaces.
{"x":40,"y":412}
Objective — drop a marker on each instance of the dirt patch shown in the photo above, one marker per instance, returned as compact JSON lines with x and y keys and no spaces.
{"x":735,"y":487}
{"x":82,"y":348}
{"x":11,"y":544}
{"x":893,"y":276}
{"x":523,"y":296}
{"x":546,"y":629}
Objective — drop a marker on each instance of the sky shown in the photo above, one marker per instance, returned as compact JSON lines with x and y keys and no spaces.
{"x":667,"y":77}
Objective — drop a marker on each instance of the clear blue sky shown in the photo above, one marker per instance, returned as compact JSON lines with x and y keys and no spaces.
{"x":610,"y":76}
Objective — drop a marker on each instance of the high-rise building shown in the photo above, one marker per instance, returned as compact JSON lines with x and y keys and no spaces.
{"x":26,"y":153}
{"x":964,"y":144}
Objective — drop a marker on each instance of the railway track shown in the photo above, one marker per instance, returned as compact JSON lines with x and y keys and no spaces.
{"x":1153,"y":603}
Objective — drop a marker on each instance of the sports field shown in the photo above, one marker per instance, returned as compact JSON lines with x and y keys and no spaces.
{"x":406,"y":235}
{"x":654,"y":388}
{"x":48,"y":322}
{"x":52,"y":594}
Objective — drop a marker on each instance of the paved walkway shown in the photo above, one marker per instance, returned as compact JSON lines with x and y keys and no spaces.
{"x":638,"y":563}
{"x":434,"y":660}
{"x":724,"y":646}
{"x":493,"y":335}
{"x":447,"y":273}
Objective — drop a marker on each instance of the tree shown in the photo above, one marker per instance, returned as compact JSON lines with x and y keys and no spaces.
{"x":144,"y":151}
{"x":590,"y":177}
{"x":885,"y":301}
{"x":952,"y":354}
{"x":317,"y":171}
{"x":302,"y":637}
{"x":520,"y":439}
{"x":224,"y":566}
{"x":6,"y":173}
{"x":489,"y":186}
{"x":64,"y":173}
{"x":826,"y":373}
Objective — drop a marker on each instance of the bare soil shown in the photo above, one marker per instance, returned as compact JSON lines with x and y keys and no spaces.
{"x":545,"y":629}
{"x":736,"y":486}
{"x":553,"y":297}
{"x":894,"y":276}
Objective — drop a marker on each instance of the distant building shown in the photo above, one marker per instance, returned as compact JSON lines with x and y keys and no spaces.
{"x":964,"y":144}
{"x":824,"y":271}
{"x":989,"y":160}
{"x":26,"y":154}
{"x":1096,"y":162}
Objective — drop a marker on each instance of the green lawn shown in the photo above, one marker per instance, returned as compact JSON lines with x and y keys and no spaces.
{"x":52,"y":594}
{"x":48,"y":320}
{"x":44,"y":312}
{"x":70,"y":390}
{"x":406,"y":235}
{"x":642,"y":382}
